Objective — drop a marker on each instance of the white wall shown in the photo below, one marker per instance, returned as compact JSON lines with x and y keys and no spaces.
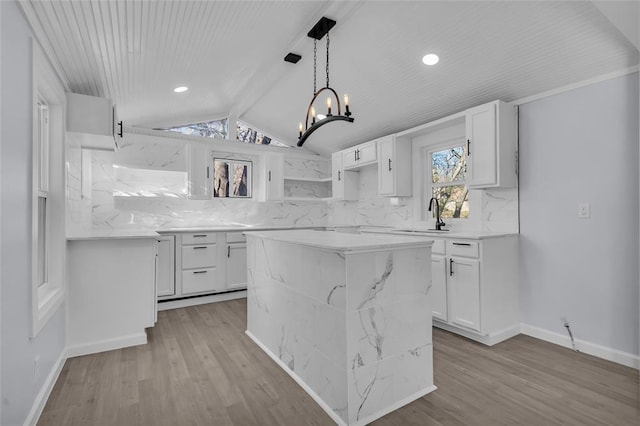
{"x":576,"y":147}
{"x":19,"y":389}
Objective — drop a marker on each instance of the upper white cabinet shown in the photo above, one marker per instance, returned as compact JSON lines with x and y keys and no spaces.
{"x":272,"y":179}
{"x":94,"y":119}
{"x":394,"y":167}
{"x":199,"y":171}
{"x":360,"y":155}
{"x":344,"y":182}
{"x":491,"y":132}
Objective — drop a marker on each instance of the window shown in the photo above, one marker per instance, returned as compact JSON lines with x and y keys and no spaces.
{"x":218,"y":129}
{"x":42,"y":220}
{"x":246,"y":134}
{"x":231,"y":178}
{"x":448,"y":181}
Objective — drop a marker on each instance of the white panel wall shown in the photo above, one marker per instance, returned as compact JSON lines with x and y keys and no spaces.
{"x":577,"y":147}
{"x":19,"y":388}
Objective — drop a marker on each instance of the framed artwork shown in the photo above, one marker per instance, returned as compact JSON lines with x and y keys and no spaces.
{"x":231,"y":178}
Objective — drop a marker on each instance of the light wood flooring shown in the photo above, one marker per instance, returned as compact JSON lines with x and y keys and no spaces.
{"x":199,"y":368}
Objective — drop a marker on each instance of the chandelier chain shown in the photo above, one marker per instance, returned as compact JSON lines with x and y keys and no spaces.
{"x":315,"y":60}
{"x":327,"y":59}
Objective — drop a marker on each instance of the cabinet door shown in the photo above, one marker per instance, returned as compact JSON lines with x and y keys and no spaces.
{"x":481,"y":145}
{"x":386,"y":167}
{"x":464,"y":292}
{"x":439,"y":288}
{"x":337,"y":172}
{"x":165,"y":267}
{"x":367,"y":152}
{"x":349,"y":158}
{"x":199,"y":172}
{"x":236,"y":266}
{"x":344,"y":183}
{"x":274,"y":179}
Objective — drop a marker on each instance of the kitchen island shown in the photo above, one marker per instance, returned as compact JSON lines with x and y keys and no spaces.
{"x":346,"y":315}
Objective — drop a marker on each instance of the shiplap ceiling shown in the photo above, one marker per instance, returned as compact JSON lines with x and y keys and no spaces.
{"x":231,"y":53}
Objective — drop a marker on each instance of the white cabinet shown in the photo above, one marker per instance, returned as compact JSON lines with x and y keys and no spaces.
{"x":344,"y":183}
{"x":236,"y":261}
{"x":165,"y":266}
{"x":394,"y":167}
{"x":474,"y":287}
{"x":199,"y":171}
{"x":272,"y":179}
{"x":491,"y":132}
{"x":198,"y":259}
{"x":360,"y":155}
{"x":464,"y":292}
{"x":94,"y":119}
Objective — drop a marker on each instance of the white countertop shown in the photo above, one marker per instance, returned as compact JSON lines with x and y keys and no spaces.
{"x":101,"y":234}
{"x":94,"y":234}
{"x":341,"y":241}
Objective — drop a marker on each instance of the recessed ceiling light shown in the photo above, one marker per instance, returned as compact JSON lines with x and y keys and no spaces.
{"x":430,"y":59}
{"x":181,"y":89}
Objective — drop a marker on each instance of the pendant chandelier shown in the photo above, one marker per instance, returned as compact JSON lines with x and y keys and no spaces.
{"x":313,"y":121}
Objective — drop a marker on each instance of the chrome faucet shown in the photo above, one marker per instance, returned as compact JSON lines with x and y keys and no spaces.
{"x":439,"y":222}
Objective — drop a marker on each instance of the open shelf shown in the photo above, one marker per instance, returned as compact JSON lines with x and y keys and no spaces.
{"x":308,"y":179}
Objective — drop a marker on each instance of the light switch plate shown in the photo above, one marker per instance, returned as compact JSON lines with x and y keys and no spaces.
{"x":584,"y":210}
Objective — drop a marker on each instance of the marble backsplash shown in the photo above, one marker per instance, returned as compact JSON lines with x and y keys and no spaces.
{"x":107,"y":190}
{"x":144,"y":186}
{"x":491,"y":210}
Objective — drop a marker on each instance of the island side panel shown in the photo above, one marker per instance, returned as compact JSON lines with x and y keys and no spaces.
{"x":296,"y":298}
{"x":389,"y":346}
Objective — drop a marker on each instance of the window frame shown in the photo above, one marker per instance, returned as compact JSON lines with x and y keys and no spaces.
{"x":47,"y":181}
{"x":429,"y":184}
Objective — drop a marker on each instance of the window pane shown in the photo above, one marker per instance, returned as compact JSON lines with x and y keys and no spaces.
{"x":42,"y":241}
{"x":246,"y":134}
{"x":449,"y":165}
{"x":453,"y":200}
{"x":208,"y":129}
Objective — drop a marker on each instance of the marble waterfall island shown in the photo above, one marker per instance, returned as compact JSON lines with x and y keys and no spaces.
{"x":346,"y":315}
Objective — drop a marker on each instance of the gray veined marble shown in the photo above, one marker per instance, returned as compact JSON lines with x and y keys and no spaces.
{"x":352,"y":323}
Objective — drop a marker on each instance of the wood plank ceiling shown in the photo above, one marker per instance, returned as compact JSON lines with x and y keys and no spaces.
{"x":230,"y":55}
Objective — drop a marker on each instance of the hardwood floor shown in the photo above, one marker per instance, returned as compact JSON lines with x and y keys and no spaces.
{"x":199,"y":368}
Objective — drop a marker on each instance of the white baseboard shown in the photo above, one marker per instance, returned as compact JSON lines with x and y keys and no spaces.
{"x":107,"y":345}
{"x":193,"y":301}
{"x":488,"y":339}
{"x":613,"y":355}
{"x":45,"y":391}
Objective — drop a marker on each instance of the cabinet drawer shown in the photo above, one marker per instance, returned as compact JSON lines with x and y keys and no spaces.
{"x":200,"y":256}
{"x":438,"y":247}
{"x":199,"y":280}
{"x":199,"y":238}
{"x":236,"y":237}
{"x":463,"y":248}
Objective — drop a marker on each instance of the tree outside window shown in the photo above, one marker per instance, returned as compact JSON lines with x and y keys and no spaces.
{"x":448,"y":183}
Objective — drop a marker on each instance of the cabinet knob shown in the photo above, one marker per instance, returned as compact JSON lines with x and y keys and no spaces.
{"x":200,"y":247}
{"x":269,"y":175}
{"x":389,"y":164}
{"x":450,"y":267}
{"x":338,"y":175}
{"x":468,"y":146}
{"x":228,"y":251}
{"x":120,"y":128}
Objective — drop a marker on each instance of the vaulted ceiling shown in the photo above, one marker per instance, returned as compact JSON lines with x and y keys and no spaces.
{"x":230,"y":54}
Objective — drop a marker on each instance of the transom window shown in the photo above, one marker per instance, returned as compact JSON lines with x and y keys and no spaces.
{"x":218,"y":129}
{"x":448,"y":181}
{"x":246,"y":134}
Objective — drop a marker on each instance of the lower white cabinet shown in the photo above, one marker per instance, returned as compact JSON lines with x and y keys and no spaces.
{"x":200,"y":263}
{"x":464,"y":292}
{"x":165,"y":266}
{"x":474,"y":289}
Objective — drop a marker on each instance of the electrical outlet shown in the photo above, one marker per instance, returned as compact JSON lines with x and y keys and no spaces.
{"x":584,"y":210}
{"x":36,"y":369}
